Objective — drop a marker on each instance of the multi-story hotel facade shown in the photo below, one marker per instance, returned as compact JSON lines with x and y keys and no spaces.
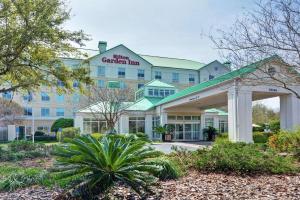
{"x":119,"y":63}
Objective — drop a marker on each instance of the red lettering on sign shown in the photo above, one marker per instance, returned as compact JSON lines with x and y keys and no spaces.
{"x":120,"y":59}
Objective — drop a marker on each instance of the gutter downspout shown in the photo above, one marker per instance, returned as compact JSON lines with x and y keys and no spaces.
{"x":236,"y":108}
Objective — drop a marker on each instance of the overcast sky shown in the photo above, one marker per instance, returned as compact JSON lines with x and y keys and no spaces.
{"x":172,"y":28}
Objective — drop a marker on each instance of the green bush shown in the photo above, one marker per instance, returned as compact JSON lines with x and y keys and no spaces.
{"x":23,"y":178}
{"x":261,"y":137}
{"x":244,"y":158}
{"x":141,"y":136}
{"x":285,"y":141}
{"x":100,"y":164}
{"x":275,"y":126}
{"x":169,"y":171}
{"x":45,"y":138}
{"x":39,"y":133}
{"x":68,"y":133}
{"x":23,"y":145}
{"x":62,"y":123}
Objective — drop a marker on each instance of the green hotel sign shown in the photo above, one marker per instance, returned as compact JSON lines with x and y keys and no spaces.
{"x":113,"y":84}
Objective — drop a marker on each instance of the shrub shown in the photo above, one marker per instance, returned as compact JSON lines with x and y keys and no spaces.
{"x":45,"y":138}
{"x":221,"y":138}
{"x":142,"y":136}
{"x":62,"y":123}
{"x":261,"y":137}
{"x":100,"y":164}
{"x":285,"y":141}
{"x":23,"y":145}
{"x":22,"y":178}
{"x":39,"y":133}
{"x":243,"y":158}
{"x":97,"y":135}
{"x":275,"y":126}
{"x":169,"y":171}
{"x":210,"y":133}
{"x":69,"y":133}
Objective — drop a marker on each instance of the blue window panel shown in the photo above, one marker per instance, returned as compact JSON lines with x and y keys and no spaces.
{"x":45,"y":96}
{"x":211,"y":77}
{"x":150,"y":92}
{"x":141,"y":74}
{"x":101,"y":71}
{"x":172,"y":92}
{"x":140,"y":85}
{"x":175,"y":77}
{"x":7,"y":95}
{"x":60,"y":112}
{"x":28,"y":97}
{"x":60,"y":98}
{"x":101,"y":83}
{"x":157,"y":75}
{"x":121,"y":72}
{"x":45,"y":112}
{"x":191,"y":78}
{"x":28,"y":111}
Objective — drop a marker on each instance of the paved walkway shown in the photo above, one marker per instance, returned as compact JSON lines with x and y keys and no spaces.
{"x":166,"y":147}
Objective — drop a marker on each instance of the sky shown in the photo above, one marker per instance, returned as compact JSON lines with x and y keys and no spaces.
{"x":171,"y":28}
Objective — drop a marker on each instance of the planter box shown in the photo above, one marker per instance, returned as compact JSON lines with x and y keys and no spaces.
{"x":168,"y":137}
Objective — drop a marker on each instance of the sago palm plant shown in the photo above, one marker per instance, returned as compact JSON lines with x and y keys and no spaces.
{"x":99,"y":164}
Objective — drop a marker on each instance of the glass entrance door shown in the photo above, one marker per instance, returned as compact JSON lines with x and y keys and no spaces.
{"x":188,"y":131}
{"x":179,"y":131}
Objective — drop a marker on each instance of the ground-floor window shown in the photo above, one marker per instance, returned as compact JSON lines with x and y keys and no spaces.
{"x":223,"y":126}
{"x":91,"y":125}
{"x":155,"y":123}
{"x":209,"y":122}
{"x":45,"y":129}
{"x":136,"y":124}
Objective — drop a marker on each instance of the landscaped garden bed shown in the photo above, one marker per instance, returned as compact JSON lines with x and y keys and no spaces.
{"x":224,"y":171}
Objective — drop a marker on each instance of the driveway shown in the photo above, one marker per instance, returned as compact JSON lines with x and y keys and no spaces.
{"x":166,"y":147}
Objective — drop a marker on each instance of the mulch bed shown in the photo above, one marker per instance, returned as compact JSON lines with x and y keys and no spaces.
{"x":196,"y":186}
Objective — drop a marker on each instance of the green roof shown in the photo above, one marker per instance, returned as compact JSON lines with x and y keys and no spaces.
{"x":214,"y":110}
{"x":226,"y":77}
{"x":157,"y":83}
{"x":173,"y":62}
{"x":143,"y":104}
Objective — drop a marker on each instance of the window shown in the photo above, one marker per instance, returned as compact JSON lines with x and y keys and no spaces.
{"x":60,"y":83}
{"x":161,"y":93}
{"x":167,"y":93}
{"x":101,"y":83}
{"x":209,"y":122}
{"x":223,"y":126}
{"x":28,"y":111}
{"x":195,"y":117}
{"x":187,"y":117}
{"x":156,"y":92}
{"x":101,"y":71}
{"x":150,"y":92}
{"x":192,"y":79}
{"x":60,"y":112}
{"x":271,"y":71}
{"x":172,"y":92}
{"x":28,"y":97}
{"x":60,"y":98}
{"x":171,"y":117}
{"x":155,"y":123}
{"x":121,"y":72}
{"x":216,"y":68}
{"x":211,"y":77}
{"x":76,"y":84}
{"x":122,"y":85}
{"x":45,"y":112}
{"x":179,"y":117}
{"x":175,"y":77}
{"x":94,"y":125}
{"x":45,"y":96}
{"x":140,"y":85}
{"x":157,"y":75}
{"x":136,"y":124}
{"x":7,"y":95}
{"x":141,"y":74}
{"x":45,"y":129}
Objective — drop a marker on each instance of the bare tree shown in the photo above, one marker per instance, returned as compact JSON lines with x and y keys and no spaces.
{"x":10,"y":112}
{"x":273,"y":28}
{"x":108,"y":104}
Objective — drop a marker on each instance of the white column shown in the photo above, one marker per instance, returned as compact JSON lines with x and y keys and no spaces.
{"x":240,"y":115}
{"x":163,"y":118}
{"x":78,"y":123}
{"x":148,"y":126}
{"x":289,"y":112}
{"x":11,"y":135}
{"x":124,"y":124}
{"x":202,"y":126}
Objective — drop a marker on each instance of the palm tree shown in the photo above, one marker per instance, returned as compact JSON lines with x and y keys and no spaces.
{"x":99,"y":164}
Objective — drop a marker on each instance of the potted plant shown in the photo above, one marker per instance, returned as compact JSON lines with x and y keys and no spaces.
{"x":161,"y":130}
{"x":169,"y":132}
{"x":210,"y":133}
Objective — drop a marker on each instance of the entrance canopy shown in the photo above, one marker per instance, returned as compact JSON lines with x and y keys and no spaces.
{"x":237,"y":90}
